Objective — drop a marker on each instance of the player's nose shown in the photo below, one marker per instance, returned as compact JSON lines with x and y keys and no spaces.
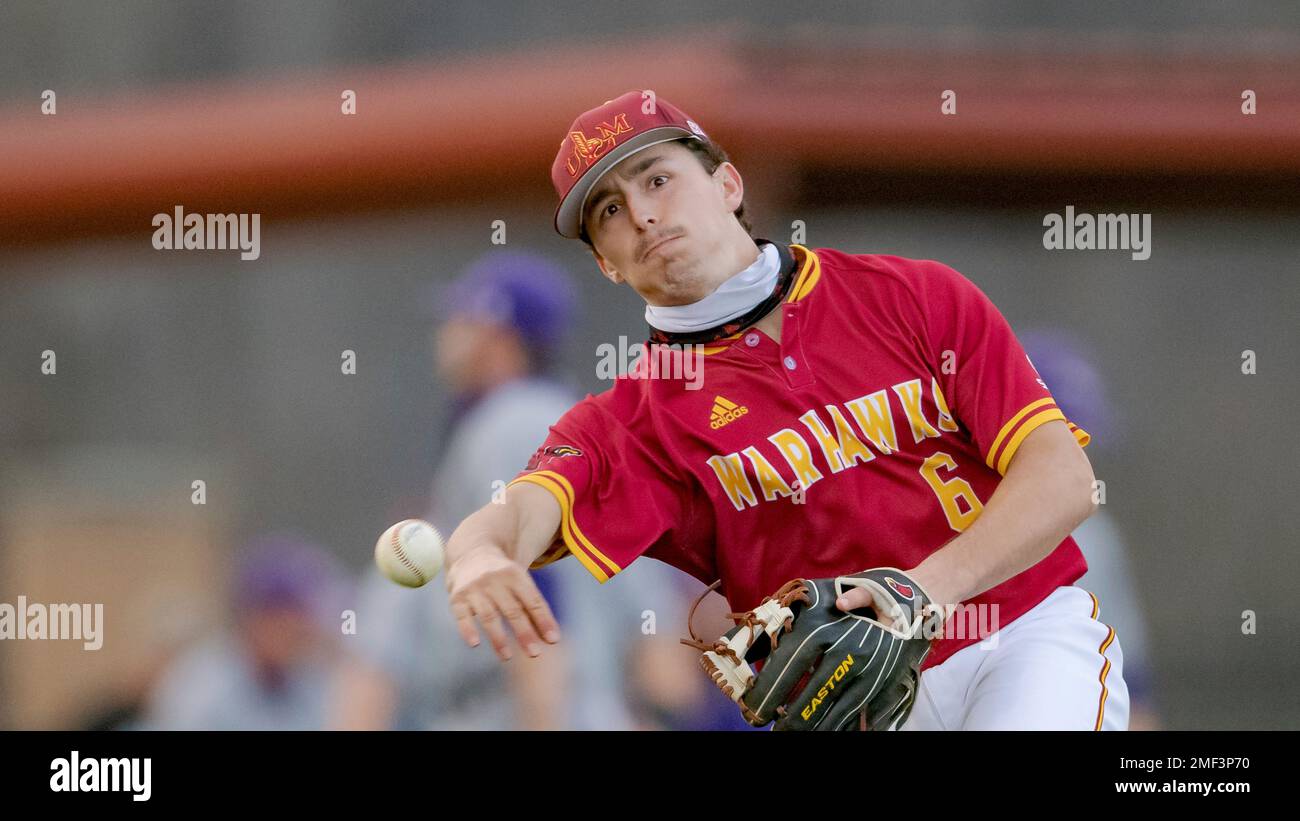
{"x":642,"y":213}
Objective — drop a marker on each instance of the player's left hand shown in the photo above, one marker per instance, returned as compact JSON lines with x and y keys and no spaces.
{"x":857,"y":597}
{"x":854,"y":598}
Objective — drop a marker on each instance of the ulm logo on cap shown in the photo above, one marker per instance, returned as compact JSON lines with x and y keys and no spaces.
{"x":586,"y":150}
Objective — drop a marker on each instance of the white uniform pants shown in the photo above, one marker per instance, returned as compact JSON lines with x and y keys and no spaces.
{"x":1057,"y":667}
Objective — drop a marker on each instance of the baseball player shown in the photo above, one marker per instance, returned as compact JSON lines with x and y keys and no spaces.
{"x":855,"y":411}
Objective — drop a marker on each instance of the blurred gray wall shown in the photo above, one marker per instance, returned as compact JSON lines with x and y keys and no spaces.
{"x":79,"y":46}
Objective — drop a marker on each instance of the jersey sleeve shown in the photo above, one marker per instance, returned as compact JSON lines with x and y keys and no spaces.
{"x":987,"y":380}
{"x":618,"y":496}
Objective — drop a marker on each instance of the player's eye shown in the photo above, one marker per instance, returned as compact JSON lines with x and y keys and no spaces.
{"x":605,"y":212}
{"x":663,"y":177}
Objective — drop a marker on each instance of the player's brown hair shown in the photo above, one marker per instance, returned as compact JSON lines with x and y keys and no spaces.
{"x":711,"y":155}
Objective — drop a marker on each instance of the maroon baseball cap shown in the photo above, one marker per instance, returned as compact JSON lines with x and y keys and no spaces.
{"x":602,"y":137}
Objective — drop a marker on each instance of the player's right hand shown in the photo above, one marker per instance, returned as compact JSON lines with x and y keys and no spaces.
{"x":488,"y":588}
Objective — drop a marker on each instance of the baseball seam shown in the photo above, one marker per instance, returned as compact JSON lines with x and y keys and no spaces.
{"x":403,"y":558}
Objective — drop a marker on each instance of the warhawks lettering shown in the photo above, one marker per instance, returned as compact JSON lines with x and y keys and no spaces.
{"x":842,"y":444}
{"x":586,"y":150}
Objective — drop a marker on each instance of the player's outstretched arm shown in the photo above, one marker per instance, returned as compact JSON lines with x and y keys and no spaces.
{"x":487,"y":571}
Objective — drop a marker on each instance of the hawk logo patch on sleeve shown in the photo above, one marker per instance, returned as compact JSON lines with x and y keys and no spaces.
{"x":543,"y":455}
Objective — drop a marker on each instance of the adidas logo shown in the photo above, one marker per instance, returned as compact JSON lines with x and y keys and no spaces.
{"x":725,"y":412}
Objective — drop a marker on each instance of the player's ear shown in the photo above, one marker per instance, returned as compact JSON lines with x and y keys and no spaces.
{"x":605,"y":268}
{"x":733,"y":187}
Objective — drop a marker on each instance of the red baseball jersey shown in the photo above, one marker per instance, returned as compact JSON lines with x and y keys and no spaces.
{"x":870,"y":435}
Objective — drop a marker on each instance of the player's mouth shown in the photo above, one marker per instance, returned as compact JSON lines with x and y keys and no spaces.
{"x":658,"y":244}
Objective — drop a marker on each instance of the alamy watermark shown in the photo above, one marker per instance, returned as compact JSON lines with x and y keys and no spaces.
{"x":967,"y":620}
{"x":180,"y":231}
{"x":648,"y":360}
{"x":53,"y":622}
{"x":1102,"y":232}
{"x":77,"y":774}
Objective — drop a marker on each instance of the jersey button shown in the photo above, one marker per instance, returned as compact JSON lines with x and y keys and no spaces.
{"x":789,"y":363}
{"x":751,"y":340}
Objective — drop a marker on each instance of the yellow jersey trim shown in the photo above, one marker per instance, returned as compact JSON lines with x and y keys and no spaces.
{"x":1011,"y":424}
{"x":574,"y":539}
{"x":1029,"y":426}
{"x":808,"y":276}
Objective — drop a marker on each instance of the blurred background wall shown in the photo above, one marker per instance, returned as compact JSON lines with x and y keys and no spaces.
{"x":177,"y":366}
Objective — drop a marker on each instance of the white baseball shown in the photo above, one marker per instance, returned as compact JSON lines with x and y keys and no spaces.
{"x":410,"y":552}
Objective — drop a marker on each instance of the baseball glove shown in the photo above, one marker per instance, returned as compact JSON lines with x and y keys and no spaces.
{"x":820,"y":668}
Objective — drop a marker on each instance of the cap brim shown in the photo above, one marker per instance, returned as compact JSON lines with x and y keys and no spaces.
{"x":568,"y":217}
